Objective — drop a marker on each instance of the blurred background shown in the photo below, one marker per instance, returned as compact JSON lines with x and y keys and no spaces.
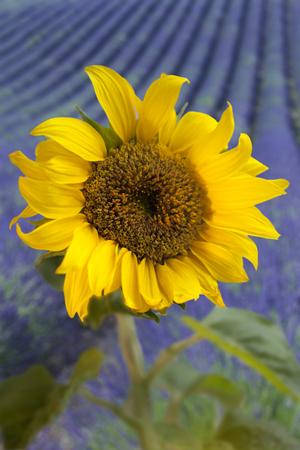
{"x":243,"y":51}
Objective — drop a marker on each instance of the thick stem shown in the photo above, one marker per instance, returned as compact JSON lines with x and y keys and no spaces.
{"x":130,"y":346}
{"x":139,"y":401}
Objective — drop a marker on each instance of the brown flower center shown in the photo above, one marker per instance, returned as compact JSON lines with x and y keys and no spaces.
{"x":145,"y":198}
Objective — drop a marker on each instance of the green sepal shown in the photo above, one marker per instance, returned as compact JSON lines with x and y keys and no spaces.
{"x":110,"y":137}
{"x":38,"y":223}
{"x":181,"y":112}
{"x":246,"y":433}
{"x":99,"y":307}
{"x":30,"y":401}
{"x":181,"y":380}
{"x":49,"y":255}
{"x":113,"y":303}
{"x":181,"y":305}
{"x":255,"y":340}
{"x":47,"y":265}
{"x":151,"y":315}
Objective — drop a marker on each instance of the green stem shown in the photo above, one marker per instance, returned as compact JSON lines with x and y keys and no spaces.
{"x":130,"y":346}
{"x":139,"y":401}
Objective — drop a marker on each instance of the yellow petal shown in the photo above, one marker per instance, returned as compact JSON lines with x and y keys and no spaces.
{"x":136,"y":100}
{"x":142,"y":308}
{"x":157,"y":106}
{"x":115,"y":279}
{"x":216,"y":299}
{"x":254,"y":167}
{"x":283,"y":184}
{"x":148,"y":282}
{"x":215,"y":141}
{"x":249,"y":220}
{"x":242,"y":192}
{"x":224,"y":165}
{"x":185,"y":280}
{"x":29,"y":168}
{"x":235,"y":241}
{"x":83,"y":244}
{"x":79,"y":186}
{"x":209,"y":285}
{"x":66,"y":169}
{"x":192,"y":127}
{"x":27,"y":212}
{"x":130,"y":281}
{"x":222,"y":264}
{"x":77,"y":292}
{"x":115,"y":95}
{"x":50,"y":199}
{"x":54,"y":236}
{"x":165,"y":282}
{"x":48,"y":149}
{"x":101,"y":266}
{"x":75,"y":135}
{"x":168,"y":128}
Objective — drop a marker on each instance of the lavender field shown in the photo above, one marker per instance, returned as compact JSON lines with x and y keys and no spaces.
{"x":243,"y":51}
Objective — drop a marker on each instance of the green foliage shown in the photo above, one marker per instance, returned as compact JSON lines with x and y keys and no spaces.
{"x":30,"y":401}
{"x":110,"y":137}
{"x":218,"y":445}
{"x":176,"y":437}
{"x":246,"y":433}
{"x":181,"y":380}
{"x":87,"y":367}
{"x":256,"y":341}
{"x":47,"y":266}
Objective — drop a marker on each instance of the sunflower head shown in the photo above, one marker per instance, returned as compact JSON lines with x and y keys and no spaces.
{"x":155,"y":205}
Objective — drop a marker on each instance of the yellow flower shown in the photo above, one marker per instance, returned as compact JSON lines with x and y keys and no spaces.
{"x":165,"y":216}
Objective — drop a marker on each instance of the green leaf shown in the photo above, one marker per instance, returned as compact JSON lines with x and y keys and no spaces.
{"x":32,"y":400}
{"x":87,"y":367}
{"x":247,"y":433}
{"x":178,"y":437}
{"x":181,"y":380}
{"x":47,"y":266}
{"x":20,"y":397}
{"x":110,"y":137}
{"x":256,"y":341}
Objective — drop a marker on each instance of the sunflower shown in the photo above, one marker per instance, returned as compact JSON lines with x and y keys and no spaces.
{"x":165,"y":214}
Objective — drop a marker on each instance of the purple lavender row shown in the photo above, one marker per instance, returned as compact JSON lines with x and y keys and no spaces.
{"x":243,"y":89}
{"x":209,"y":92}
{"x":64,"y":50}
{"x":37,"y":28}
{"x":12,"y":23}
